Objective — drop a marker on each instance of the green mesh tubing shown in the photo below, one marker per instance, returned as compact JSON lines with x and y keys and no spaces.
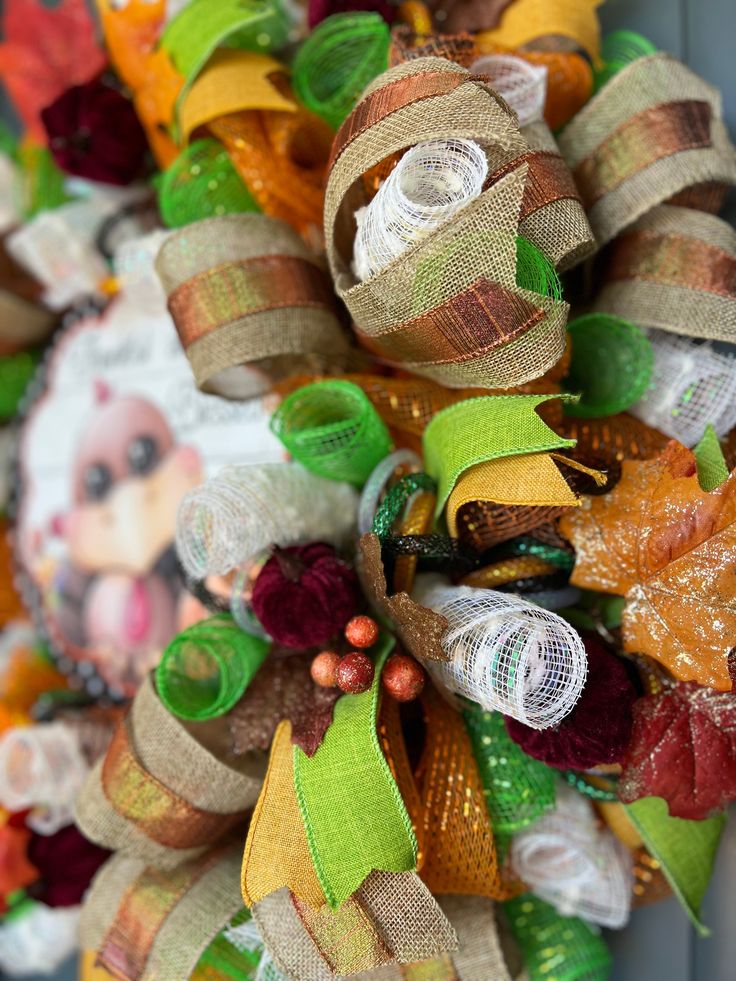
{"x":202,"y":183}
{"x":619,"y":49}
{"x":16,"y":371}
{"x":206,"y":669}
{"x":534,"y":271}
{"x":554,"y":947}
{"x":518,"y":789}
{"x":611,"y":365}
{"x":332,"y":429}
{"x":228,"y":960}
{"x":339,"y":58}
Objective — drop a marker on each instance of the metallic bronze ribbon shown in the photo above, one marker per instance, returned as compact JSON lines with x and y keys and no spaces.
{"x":481,"y":317}
{"x":157,"y":811}
{"x":548,"y":179}
{"x":390,"y":98}
{"x":347,"y":938}
{"x":221,"y":295}
{"x":645,"y":138}
{"x":143,"y":910}
{"x":673,"y":260}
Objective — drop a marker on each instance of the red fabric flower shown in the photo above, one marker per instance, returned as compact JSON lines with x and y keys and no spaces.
{"x":66,"y":862}
{"x":305,"y":595}
{"x":598,"y":729}
{"x":93,"y":132}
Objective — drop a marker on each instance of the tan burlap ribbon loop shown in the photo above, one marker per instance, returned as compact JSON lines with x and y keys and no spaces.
{"x":548,"y":180}
{"x":674,"y":269}
{"x":158,"y":812}
{"x":653,"y":131}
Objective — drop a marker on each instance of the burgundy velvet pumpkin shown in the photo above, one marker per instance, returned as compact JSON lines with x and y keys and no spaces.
{"x":94,"y":132}
{"x":67,"y":863}
{"x":305,"y":595}
{"x":320,"y":9}
{"x":598,"y":729}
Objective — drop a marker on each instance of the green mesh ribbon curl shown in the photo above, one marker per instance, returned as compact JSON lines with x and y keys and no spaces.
{"x":619,"y":49}
{"x":206,"y":669}
{"x":611,"y":365}
{"x":554,"y":947}
{"x":16,"y":371}
{"x":339,"y":58}
{"x":393,"y":503}
{"x":332,"y":429}
{"x":518,"y":789}
{"x":202,"y":183}
{"x":226,"y":959}
{"x":534,"y":271}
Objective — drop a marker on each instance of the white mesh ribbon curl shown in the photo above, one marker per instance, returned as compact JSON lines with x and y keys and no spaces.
{"x":521,"y":84}
{"x":505,"y":654}
{"x":38,"y":940}
{"x":430,"y":183}
{"x":567,"y":860}
{"x":242,"y":510}
{"x":692,"y":385}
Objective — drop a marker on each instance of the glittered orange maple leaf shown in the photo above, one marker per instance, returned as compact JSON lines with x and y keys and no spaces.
{"x":669,"y":548}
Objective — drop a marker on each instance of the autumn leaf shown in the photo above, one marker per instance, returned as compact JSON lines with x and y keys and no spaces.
{"x":683,"y":748}
{"x":669,"y":548}
{"x":46,"y":51}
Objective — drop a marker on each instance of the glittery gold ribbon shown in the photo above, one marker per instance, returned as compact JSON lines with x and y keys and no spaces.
{"x":643,"y":139}
{"x":418,"y":521}
{"x":510,"y":570}
{"x":221,"y":295}
{"x":157,"y":811}
{"x":478,"y":319}
{"x":673,"y":260}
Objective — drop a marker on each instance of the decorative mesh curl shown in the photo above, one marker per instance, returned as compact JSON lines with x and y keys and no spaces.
{"x":430,"y":183}
{"x":242,"y":510}
{"x":566,"y":860}
{"x":332,"y":429}
{"x":506,"y":654}
{"x":522,"y":84}
{"x":619,"y":49}
{"x":692,"y":385}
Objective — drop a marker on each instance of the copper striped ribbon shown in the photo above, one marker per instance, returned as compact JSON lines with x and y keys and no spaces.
{"x":225,"y":293}
{"x":648,"y":136}
{"x":548,"y":179}
{"x":347,"y":938}
{"x":143,"y":910}
{"x":481,"y":317}
{"x":673,"y":260}
{"x":390,"y":98}
{"x":158,"y":812}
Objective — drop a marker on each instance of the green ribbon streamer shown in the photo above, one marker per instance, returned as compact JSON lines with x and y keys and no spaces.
{"x":353,"y":813}
{"x":686,"y":850}
{"x":16,"y":371}
{"x":712,"y":469}
{"x":554,"y":947}
{"x":483,"y":429}
{"x":226,"y":959}
{"x":517,"y":788}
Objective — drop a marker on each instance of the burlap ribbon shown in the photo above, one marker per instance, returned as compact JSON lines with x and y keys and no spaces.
{"x":674,"y":269}
{"x":250,"y":303}
{"x":159,"y":795}
{"x":146,"y":924}
{"x":654,"y":131}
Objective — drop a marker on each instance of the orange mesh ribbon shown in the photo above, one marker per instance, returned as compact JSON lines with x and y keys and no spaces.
{"x":548,"y":179}
{"x":648,"y":136}
{"x":611,"y":440}
{"x":143,"y":910}
{"x":478,"y":319}
{"x":157,"y":811}
{"x":11,"y":605}
{"x":673,"y":260}
{"x":222,"y":295}
{"x":391,"y":738}
{"x":458,"y":838}
{"x":390,"y":98}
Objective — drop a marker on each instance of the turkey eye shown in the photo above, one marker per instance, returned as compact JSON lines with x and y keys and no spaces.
{"x":97,"y":481}
{"x":142,"y":455}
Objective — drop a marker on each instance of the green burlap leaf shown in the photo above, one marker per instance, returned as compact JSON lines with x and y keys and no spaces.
{"x":517,"y":788}
{"x":353,"y":813}
{"x":482,"y":429}
{"x":554,"y":947}
{"x":686,"y":850}
{"x":712,"y":469}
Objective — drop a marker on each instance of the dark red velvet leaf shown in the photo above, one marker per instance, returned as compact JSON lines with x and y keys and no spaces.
{"x":683,"y":748}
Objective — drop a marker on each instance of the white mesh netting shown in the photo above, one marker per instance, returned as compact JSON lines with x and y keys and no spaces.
{"x":39,"y":941}
{"x":430,"y":183}
{"x":242,"y":510}
{"x":522,"y":85}
{"x":505,"y":653}
{"x":692,"y":385}
{"x":581,"y":869}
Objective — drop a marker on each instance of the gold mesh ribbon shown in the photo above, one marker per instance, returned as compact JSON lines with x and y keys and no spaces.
{"x":276,"y":849}
{"x":614,"y":439}
{"x":391,"y":737}
{"x":418,"y":521}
